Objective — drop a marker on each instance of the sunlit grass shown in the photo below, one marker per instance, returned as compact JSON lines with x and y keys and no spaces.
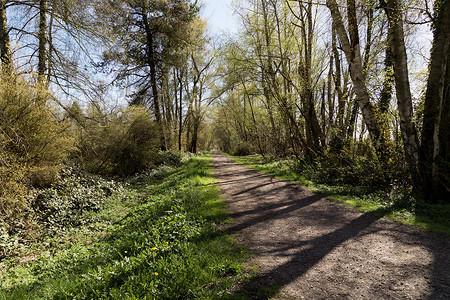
{"x":161,"y":240}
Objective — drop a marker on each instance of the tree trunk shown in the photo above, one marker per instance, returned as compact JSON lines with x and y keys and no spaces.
{"x":388,"y":81}
{"x":353,"y":55}
{"x":367,"y":48}
{"x":330,"y":96}
{"x":43,"y":42}
{"x":402,"y":87}
{"x":437,"y":98}
{"x":313,"y":131}
{"x":153,"y":80}
{"x":194,"y":138}
{"x":337,"y":80}
{"x":180,"y":109}
{"x":5,"y":46}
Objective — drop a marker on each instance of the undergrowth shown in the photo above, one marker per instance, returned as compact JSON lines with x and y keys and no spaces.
{"x":396,"y":202}
{"x":157,"y":238}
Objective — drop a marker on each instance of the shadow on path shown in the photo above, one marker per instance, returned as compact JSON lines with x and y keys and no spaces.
{"x":308,"y":247}
{"x":302,"y":260}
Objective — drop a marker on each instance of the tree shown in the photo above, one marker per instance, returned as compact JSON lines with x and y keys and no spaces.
{"x":42,"y":44}
{"x":5,"y":46}
{"x":403,"y":91}
{"x":435,"y":145}
{"x":351,"y":48}
{"x":147,"y":36}
{"x":201,"y":62}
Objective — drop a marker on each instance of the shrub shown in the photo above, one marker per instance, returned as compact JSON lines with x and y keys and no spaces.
{"x":32,"y":141}
{"x":243,"y":149}
{"x":121,"y":143}
{"x":358,"y":164}
{"x":13,"y":187}
{"x":169,"y":158}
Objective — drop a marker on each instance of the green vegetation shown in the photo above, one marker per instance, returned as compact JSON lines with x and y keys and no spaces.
{"x":32,"y":143}
{"x":98,"y":99}
{"x":156,"y":236}
{"x":396,"y":203}
{"x":120,"y":143}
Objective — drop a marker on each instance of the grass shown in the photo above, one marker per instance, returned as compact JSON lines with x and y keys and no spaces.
{"x":161,"y":239}
{"x":395,"y":205}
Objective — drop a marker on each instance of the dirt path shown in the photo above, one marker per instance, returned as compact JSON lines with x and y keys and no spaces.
{"x":308,"y":247}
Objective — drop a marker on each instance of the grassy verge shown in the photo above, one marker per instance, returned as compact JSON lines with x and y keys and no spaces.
{"x":159,"y":240}
{"x":397,"y":206}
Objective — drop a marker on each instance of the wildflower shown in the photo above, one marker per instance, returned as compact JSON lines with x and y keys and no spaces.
{"x":154,"y":248}
{"x":156,"y":273}
{"x":167,"y":243}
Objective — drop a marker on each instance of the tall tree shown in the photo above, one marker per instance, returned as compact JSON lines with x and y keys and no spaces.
{"x":352,"y":52}
{"x":402,"y":86}
{"x":435,"y":144}
{"x":314,"y":135}
{"x":148,"y":36}
{"x":42,"y":44}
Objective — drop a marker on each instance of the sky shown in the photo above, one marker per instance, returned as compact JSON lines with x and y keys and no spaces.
{"x":219,"y":15}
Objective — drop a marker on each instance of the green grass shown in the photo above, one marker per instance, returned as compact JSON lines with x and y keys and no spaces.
{"x":397,"y":206}
{"x":161,"y":239}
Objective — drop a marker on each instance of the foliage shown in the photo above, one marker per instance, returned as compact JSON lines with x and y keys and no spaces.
{"x":30,"y":128}
{"x":169,"y":158}
{"x":121,"y":143}
{"x":32,"y":141}
{"x":70,"y":201}
{"x":145,"y":35}
{"x":13,"y":187}
{"x":358,"y":164}
{"x":167,"y":247}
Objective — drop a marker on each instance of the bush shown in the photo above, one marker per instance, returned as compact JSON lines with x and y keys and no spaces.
{"x":358,"y":164}
{"x":32,"y":142}
{"x":121,"y":143}
{"x":169,"y":158}
{"x":13,"y":187}
{"x":243,"y":149}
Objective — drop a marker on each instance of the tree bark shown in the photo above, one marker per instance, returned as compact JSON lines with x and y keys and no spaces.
{"x":388,"y":81}
{"x":180,"y":107}
{"x":437,"y":98}
{"x":353,"y":55}
{"x":5,"y":46}
{"x":153,"y":80}
{"x":43,"y":42}
{"x":402,"y":87}
{"x":330,"y":96}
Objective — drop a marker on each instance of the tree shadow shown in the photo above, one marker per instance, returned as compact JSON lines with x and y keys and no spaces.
{"x":305,"y":255}
{"x":299,"y":257}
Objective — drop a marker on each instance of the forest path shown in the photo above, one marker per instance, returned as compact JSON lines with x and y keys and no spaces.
{"x":309,"y":247}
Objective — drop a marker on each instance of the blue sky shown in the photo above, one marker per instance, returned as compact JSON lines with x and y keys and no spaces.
{"x":219,"y":15}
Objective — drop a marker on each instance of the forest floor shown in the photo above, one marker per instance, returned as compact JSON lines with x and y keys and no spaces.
{"x":306,"y":246}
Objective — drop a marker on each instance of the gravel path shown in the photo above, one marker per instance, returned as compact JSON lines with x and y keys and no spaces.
{"x":309,"y":247}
